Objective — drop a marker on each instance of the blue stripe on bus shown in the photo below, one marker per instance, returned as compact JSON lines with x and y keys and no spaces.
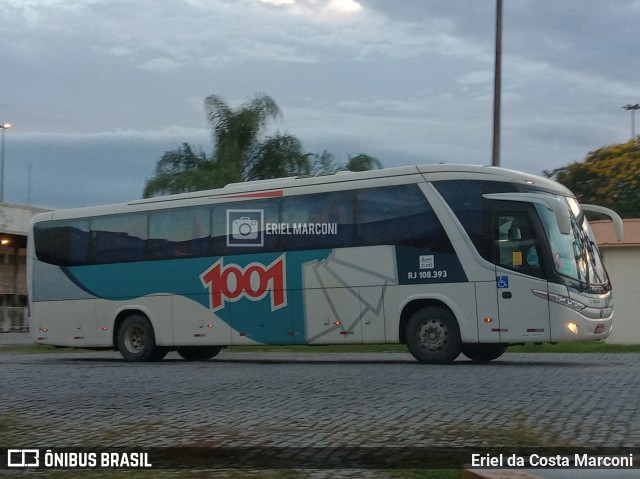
{"x":127,"y":281}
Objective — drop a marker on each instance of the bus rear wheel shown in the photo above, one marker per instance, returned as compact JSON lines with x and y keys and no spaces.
{"x":483,"y":353}
{"x":136,"y":340}
{"x":433,"y":335}
{"x":199,"y":353}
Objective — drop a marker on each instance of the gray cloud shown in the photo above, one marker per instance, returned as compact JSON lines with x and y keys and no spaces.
{"x":99,"y":89}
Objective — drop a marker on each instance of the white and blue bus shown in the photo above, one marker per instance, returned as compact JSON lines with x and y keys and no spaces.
{"x":446,"y":259}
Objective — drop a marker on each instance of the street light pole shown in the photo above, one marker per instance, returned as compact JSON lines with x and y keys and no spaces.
{"x":497,"y":83}
{"x":632,"y":109}
{"x":3,"y":127}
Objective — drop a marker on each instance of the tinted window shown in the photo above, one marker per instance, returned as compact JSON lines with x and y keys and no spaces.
{"x":179,"y":233}
{"x":118,"y":238}
{"x":472,"y":210}
{"x":517,"y":243}
{"x":323,"y":220}
{"x":63,"y":243}
{"x":398,"y":215}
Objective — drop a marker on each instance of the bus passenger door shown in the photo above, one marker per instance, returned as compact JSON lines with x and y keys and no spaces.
{"x":523,"y":315}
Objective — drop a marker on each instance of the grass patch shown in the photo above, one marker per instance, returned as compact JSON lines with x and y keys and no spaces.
{"x":577,"y":347}
{"x":328,"y":348}
{"x":41,"y":348}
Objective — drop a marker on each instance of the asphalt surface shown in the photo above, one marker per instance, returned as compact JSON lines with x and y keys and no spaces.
{"x":324,"y":400}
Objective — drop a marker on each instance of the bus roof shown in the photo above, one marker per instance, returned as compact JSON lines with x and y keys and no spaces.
{"x":275,"y":187}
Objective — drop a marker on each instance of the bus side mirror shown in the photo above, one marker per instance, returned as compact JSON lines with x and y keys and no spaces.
{"x":617,"y":221}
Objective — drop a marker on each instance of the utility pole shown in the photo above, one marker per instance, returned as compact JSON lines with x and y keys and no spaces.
{"x":497,"y":84}
{"x":4,"y":127}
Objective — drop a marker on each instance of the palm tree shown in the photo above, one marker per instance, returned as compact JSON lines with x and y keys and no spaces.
{"x":241,"y":154}
{"x":236,"y":132}
{"x":363,"y":162}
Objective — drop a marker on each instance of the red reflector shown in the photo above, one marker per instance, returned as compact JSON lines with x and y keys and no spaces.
{"x":243,"y":334}
{"x":535,"y":330}
{"x":104,"y":328}
{"x":291,"y":333}
{"x":78,"y":337}
{"x":197,"y":335}
{"x":599,"y":329}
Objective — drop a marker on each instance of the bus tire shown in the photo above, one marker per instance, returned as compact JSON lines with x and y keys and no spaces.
{"x":483,"y":353}
{"x":199,"y":353}
{"x":136,"y":340}
{"x":433,"y":335}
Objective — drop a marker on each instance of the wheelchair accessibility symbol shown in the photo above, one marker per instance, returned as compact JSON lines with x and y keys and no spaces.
{"x":502,"y":281}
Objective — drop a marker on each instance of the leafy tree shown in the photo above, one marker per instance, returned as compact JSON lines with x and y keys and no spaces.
{"x":609,"y":177}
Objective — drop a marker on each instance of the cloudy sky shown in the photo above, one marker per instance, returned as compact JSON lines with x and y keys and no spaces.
{"x":98,"y":90}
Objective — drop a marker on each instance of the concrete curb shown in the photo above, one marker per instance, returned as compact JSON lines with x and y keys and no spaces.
{"x":496,"y":474}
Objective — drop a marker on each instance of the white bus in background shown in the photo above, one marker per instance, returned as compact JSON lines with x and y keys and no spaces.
{"x":448,"y":259}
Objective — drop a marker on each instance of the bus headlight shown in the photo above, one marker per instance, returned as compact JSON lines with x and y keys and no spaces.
{"x":573,"y":327}
{"x":560,"y":299}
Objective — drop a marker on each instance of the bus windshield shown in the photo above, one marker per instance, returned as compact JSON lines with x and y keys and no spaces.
{"x":575,"y":255}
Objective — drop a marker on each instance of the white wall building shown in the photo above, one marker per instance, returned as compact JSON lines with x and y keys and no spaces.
{"x":14,"y":227}
{"x":622,"y":260}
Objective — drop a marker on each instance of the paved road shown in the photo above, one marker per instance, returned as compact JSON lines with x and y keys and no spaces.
{"x":325,"y":400}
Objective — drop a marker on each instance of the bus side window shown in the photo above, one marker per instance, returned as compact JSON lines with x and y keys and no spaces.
{"x":179,"y":233}
{"x":65,"y":243}
{"x":119,"y":238}
{"x":464,"y":197}
{"x":399,"y":215}
{"x":329,"y":214}
{"x":221,"y":231}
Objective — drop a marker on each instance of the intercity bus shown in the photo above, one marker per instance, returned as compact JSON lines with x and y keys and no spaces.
{"x":445,"y":259}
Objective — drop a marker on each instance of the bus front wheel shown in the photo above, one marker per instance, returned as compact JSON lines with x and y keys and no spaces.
{"x":433,"y":335}
{"x":136,"y":340}
{"x":483,"y":353}
{"x":199,"y":353}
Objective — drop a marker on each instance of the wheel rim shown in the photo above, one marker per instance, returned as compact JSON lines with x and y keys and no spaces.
{"x":134,"y":339}
{"x":433,"y":335}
